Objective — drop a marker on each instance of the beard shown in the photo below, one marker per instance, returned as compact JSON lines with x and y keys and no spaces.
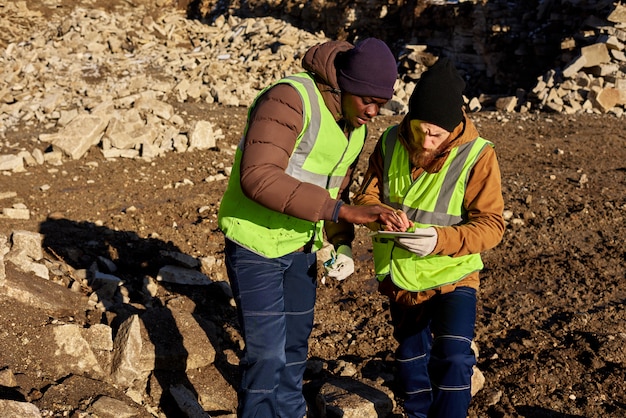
{"x":423,"y":158}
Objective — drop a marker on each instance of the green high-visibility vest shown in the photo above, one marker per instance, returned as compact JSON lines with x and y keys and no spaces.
{"x":432,"y":199}
{"x":322,"y":156}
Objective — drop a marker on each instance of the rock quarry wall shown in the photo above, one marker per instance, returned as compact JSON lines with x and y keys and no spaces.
{"x":502,"y":45}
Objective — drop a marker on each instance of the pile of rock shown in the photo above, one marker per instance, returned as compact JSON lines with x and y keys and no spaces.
{"x":111,"y":79}
{"x":108,"y":79}
{"x":126,"y":357}
{"x":594,"y":80}
{"x":500,"y":46}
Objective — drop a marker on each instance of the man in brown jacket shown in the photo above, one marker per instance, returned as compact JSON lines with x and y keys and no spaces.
{"x":444,"y":182}
{"x":290,"y":182}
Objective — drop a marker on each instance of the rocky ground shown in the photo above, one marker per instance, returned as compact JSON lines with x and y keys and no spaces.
{"x":551,"y":327}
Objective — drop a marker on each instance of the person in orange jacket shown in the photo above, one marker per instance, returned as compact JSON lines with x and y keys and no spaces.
{"x":444,"y":182}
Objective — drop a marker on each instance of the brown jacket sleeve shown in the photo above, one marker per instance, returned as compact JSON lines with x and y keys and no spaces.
{"x":272,"y":132}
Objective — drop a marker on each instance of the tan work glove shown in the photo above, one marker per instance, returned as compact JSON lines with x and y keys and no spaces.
{"x":422,"y":244}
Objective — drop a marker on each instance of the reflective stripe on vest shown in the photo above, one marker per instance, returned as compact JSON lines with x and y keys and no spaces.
{"x":431,"y":199}
{"x":297,"y":162}
{"x":322,"y":156}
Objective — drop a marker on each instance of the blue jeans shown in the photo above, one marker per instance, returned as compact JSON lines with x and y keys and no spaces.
{"x":275,"y":304}
{"x":434,"y":357}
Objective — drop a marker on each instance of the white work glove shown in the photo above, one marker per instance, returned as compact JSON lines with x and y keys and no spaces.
{"x":422,"y":244}
{"x":340,"y":265}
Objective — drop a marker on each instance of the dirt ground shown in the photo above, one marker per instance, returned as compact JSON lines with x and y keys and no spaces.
{"x":551,"y":326}
{"x":551,"y":329}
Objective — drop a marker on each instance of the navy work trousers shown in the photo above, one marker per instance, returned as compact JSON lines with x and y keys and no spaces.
{"x":275,"y":302}
{"x":434,"y":356}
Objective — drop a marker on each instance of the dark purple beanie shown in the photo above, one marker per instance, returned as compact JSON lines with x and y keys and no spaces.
{"x":368,"y":69}
{"x":438,"y":96}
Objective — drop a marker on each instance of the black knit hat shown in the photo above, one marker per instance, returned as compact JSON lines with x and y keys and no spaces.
{"x":368,"y":69}
{"x":438,"y":96}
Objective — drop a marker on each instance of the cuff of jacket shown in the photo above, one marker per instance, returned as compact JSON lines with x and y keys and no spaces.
{"x":335,"y":217}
